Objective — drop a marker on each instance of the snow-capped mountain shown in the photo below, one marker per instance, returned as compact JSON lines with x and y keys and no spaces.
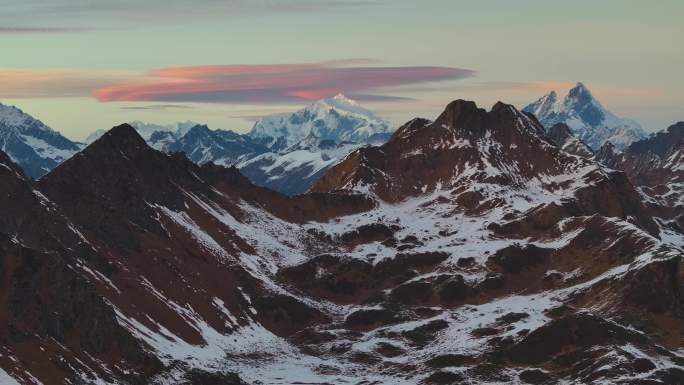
{"x":587,"y":118}
{"x":655,"y":165}
{"x":286,"y":153}
{"x":146,"y":130}
{"x":202,"y":144}
{"x":294,"y":170}
{"x":30,"y":143}
{"x":338,"y":118}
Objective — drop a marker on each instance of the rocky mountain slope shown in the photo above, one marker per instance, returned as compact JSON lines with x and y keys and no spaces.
{"x":285,"y":153}
{"x":471,"y":249}
{"x":562,"y":136}
{"x":30,"y":143}
{"x":656,"y":165}
{"x":587,"y":118}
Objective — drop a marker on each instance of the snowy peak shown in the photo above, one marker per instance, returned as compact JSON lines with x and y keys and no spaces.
{"x":30,"y":143}
{"x":589,"y":121}
{"x":342,"y":103}
{"x":338,"y":118}
{"x":202,"y":145}
{"x":655,"y":164}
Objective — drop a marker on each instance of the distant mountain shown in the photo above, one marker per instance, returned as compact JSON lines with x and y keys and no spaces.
{"x":286,"y":153}
{"x":655,"y":164}
{"x":304,"y":144}
{"x":30,"y":143}
{"x":586,"y":117}
{"x":202,"y":145}
{"x":146,"y":130}
{"x":338,"y":118}
{"x":295,"y":169}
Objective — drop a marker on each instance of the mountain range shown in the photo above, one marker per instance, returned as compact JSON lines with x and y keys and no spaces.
{"x":589,"y":121}
{"x":472,"y":248}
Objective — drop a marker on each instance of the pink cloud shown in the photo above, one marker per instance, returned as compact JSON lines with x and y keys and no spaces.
{"x":272,"y":83}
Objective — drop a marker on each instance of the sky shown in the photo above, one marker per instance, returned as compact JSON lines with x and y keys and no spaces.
{"x":83,"y":65}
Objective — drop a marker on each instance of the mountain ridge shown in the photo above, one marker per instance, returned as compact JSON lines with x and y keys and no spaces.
{"x":588,"y":119}
{"x":471,"y":247}
{"x":36,"y":147}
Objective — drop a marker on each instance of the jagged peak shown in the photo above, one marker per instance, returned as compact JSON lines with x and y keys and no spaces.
{"x":501,"y":106}
{"x":580,"y":90}
{"x":560,"y":130}
{"x":460,"y":114}
{"x":580,"y":86}
{"x":123,"y":137}
{"x":15,"y":116}
{"x":203,"y":128}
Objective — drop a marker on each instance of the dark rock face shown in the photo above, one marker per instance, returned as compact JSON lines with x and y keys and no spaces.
{"x":578,"y":332}
{"x":655,"y":165}
{"x":516,"y":258}
{"x":201,"y":377}
{"x":561,"y":135}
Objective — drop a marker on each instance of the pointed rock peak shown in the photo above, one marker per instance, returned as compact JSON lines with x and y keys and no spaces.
{"x":122,"y":137}
{"x":503,"y":107}
{"x":560,"y":130}
{"x":410,"y":126}
{"x":462,"y":114}
{"x":199,"y":128}
{"x":579,"y":91}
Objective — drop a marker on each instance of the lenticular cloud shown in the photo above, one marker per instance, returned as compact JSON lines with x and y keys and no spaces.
{"x":272,"y":83}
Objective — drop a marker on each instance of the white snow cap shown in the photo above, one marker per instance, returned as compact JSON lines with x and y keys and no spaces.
{"x":338,"y":118}
{"x":587,"y":118}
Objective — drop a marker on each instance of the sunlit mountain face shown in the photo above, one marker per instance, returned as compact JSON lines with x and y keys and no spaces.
{"x":341,"y":192}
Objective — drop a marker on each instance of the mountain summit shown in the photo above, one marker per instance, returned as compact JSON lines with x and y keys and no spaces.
{"x":338,"y":118}
{"x":33,"y":145}
{"x":589,"y":121}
